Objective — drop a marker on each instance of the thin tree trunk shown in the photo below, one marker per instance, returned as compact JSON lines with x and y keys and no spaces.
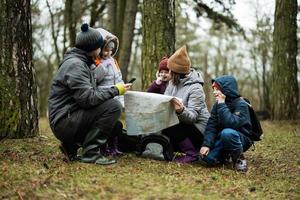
{"x":127,"y":36}
{"x":19,"y":115}
{"x":53,"y":33}
{"x":265,"y":84}
{"x":71,"y":21}
{"x":285,"y":91}
{"x":95,"y":11}
{"x":112,"y":16}
{"x":158,"y":36}
{"x":207,"y":82}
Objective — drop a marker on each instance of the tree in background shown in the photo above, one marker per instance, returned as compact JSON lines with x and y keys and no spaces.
{"x":158,"y":27}
{"x":19,"y":115}
{"x":127,"y":36}
{"x":285,"y":91}
{"x":260,"y":54}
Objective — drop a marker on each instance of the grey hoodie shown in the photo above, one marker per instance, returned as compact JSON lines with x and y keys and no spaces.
{"x":191,"y":92}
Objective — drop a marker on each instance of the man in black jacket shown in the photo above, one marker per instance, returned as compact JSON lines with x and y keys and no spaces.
{"x":80,"y":114}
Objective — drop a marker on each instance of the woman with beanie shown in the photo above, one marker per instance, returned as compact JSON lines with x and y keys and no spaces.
{"x":160,"y":84}
{"x":80,"y":114}
{"x":186,"y":85}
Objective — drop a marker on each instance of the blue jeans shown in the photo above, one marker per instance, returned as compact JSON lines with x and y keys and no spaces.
{"x":229,"y":142}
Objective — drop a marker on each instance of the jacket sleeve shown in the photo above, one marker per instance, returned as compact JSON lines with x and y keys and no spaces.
{"x":154,"y":88}
{"x":192,"y":110}
{"x":78,"y":78}
{"x":235,"y":119}
{"x":119,"y":78}
{"x":211,"y":130}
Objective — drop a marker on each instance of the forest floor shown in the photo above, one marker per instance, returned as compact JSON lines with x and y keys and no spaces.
{"x":34,"y":169}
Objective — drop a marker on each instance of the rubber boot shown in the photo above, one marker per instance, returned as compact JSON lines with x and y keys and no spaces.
{"x":113,"y":148}
{"x":69,"y":151}
{"x":191,"y":153}
{"x":91,"y":148}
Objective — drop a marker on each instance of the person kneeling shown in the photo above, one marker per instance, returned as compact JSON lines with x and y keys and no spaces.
{"x":228,"y":131}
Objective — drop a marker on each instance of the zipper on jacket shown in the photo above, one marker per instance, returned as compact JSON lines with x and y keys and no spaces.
{"x":69,"y":114}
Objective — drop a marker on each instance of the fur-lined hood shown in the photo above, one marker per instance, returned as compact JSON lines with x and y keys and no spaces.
{"x":109,"y":37}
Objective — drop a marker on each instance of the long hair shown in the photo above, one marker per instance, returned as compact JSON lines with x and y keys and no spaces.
{"x":176,"y":77}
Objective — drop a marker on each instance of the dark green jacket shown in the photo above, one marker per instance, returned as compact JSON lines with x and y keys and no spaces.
{"x":73,"y":87}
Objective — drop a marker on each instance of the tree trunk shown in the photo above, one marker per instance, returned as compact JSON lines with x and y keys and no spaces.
{"x":112,"y":16}
{"x":71,"y":21}
{"x":96,"y":12}
{"x":54,"y":33}
{"x":158,"y":36}
{"x":285,"y":91}
{"x":127,"y":36}
{"x":121,"y":5}
{"x":207,"y":82}
{"x":19,"y":115}
{"x":265,"y":83}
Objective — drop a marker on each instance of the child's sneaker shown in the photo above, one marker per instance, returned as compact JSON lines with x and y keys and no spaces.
{"x":241,"y":165}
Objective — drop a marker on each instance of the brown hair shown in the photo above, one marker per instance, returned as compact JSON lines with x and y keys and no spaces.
{"x":176,"y":77}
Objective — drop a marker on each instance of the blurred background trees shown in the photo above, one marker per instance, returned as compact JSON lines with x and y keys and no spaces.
{"x":149,"y":30}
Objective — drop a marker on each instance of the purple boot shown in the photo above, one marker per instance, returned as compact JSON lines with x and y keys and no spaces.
{"x":191,"y":153}
{"x":113,"y":148}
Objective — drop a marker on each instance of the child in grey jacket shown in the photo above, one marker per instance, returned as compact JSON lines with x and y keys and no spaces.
{"x":107,"y":70}
{"x":107,"y":73}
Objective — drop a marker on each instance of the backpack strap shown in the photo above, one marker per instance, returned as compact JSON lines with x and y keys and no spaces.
{"x":247,"y":101}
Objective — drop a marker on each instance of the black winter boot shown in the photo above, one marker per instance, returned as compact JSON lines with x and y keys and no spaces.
{"x":91,"y":148}
{"x":70,"y":151}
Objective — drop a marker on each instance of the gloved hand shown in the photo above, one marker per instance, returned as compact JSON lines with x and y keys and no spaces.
{"x":122,"y":88}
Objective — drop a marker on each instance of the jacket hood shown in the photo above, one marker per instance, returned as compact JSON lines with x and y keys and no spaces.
{"x":193,"y":77}
{"x":228,"y":85}
{"x":109,"y":37}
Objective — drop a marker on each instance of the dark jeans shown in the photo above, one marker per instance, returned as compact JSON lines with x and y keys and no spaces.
{"x":229,"y":141}
{"x":181,"y":131}
{"x":71,"y":130}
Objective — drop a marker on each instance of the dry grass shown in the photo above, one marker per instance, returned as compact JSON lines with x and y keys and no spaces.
{"x":33,"y":169}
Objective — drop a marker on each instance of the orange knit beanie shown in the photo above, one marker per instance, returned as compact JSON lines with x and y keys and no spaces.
{"x":180,"y":62}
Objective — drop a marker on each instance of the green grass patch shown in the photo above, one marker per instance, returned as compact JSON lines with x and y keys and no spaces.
{"x":34,"y":169}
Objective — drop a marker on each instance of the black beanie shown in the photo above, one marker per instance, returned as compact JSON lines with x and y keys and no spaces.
{"x":88,"y":39}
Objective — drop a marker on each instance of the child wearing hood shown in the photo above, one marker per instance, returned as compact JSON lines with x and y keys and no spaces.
{"x":160,"y":84}
{"x":107,"y":73}
{"x":228,"y":129}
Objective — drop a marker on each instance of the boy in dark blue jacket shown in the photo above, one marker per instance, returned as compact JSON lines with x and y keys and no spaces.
{"x":228,"y":130}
